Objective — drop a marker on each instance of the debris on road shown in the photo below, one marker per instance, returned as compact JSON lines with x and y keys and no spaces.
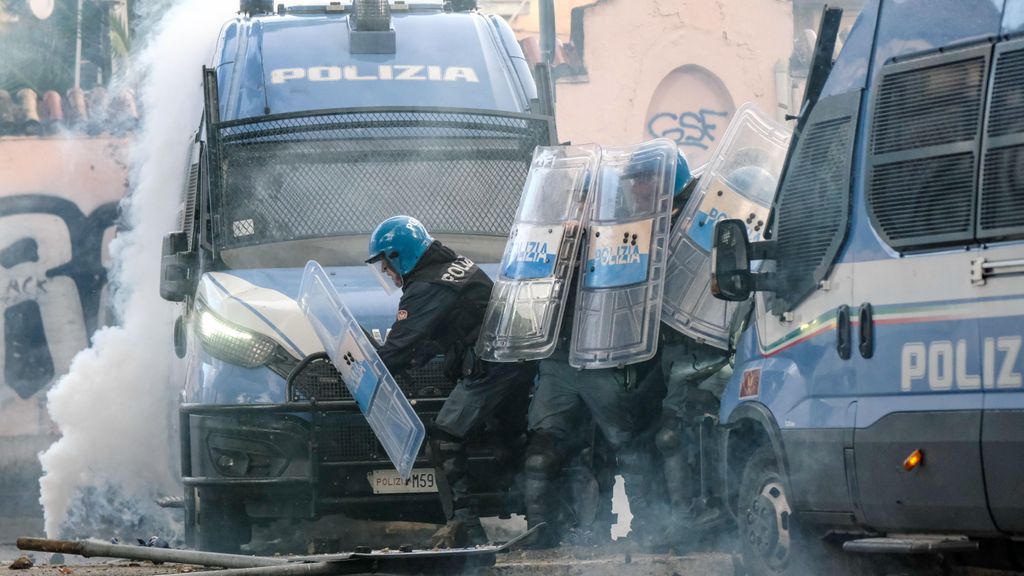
{"x":411,"y":562}
{"x":22,"y":563}
{"x":154,"y":542}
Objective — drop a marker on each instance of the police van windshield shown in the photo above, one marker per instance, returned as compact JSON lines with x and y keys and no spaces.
{"x":302,"y":188}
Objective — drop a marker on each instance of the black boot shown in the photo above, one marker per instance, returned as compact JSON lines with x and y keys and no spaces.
{"x":674,"y":446}
{"x":676,"y":463}
{"x":463,"y":528}
{"x":543,"y":461}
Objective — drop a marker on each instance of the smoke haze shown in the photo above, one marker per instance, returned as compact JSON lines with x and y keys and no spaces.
{"x":115,"y":408}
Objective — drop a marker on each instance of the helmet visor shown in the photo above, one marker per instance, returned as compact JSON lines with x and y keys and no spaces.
{"x":384,"y":272}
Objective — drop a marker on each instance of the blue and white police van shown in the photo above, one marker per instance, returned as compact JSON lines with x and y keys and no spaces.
{"x":877,"y":400}
{"x":321,"y":121}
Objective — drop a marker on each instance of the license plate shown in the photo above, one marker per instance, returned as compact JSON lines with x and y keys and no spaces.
{"x":389,"y":482}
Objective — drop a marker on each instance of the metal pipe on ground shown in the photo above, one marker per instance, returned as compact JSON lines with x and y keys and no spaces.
{"x":89,"y":548}
{"x":295,"y":569}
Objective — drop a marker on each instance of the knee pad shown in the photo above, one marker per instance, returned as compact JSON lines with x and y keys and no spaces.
{"x":546,"y":465}
{"x":633,"y":459}
{"x":543,"y":456}
{"x":668,"y":440}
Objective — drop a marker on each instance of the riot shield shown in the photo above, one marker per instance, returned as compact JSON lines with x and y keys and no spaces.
{"x":618,"y":299}
{"x":739,"y":182}
{"x":524,"y":315}
{"x":381,"y":401}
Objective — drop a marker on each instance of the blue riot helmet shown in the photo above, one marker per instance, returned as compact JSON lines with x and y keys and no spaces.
{"x":396,"y":245}
{"x":683,"y":185}
{"x":638,"y":180}
{"x":754,"y":182}
{"x":683,"y":174}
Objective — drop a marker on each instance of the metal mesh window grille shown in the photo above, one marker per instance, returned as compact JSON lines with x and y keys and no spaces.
{"x":188,"y":214}
{"x":925,"y":138}
{"x":341,"y":173}
{"x":912,"y":199}
{"x":814,"y":202}
{"x":372,"y":15}
{"x":1001,"y":202}
{"x":929,"y":106}
{"x":1006,"y":114}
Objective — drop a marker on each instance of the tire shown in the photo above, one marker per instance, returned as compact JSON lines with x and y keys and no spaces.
{"x":771,"y":542}
{"x":221,"y":524}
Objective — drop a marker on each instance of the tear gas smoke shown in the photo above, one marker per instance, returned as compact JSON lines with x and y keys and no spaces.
{"x":115,"y":408}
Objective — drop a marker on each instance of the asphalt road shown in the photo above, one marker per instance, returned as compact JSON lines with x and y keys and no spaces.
{"x":612,"y":560}
{"x":564,"y":562}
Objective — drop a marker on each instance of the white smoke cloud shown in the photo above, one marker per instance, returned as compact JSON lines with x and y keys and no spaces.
{"x":116,"y":406}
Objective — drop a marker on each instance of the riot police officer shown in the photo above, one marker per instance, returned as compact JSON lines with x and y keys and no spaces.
{"x":695,"y":375}
{"x":444,"y":296}
{"x":617,"y":399}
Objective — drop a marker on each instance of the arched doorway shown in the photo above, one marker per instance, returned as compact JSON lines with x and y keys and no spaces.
{"x":692,"y":107}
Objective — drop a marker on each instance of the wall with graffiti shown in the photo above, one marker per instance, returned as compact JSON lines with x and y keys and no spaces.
{"x":692,"y":107}
{"x":680,"y":76}
{"x":58,"y":212}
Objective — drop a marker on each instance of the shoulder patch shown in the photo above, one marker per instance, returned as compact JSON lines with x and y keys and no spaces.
{"x":403,"y":314}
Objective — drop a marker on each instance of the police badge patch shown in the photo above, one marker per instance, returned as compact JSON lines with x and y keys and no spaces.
{"x":750,"y":386}
{"x":403,"y":314}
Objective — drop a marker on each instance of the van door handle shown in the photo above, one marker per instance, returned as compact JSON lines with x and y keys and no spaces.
{"x":867,"y":330}
{"x":843,"y":332}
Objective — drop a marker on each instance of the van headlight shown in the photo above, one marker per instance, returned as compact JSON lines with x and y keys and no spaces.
{"x":230,"y":343}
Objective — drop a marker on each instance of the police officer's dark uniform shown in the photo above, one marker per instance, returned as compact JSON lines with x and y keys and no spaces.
{"x":444,"y":297}
{"x":616,"y":399}
{"x":621,"y":401}
{"x":695,"y":375}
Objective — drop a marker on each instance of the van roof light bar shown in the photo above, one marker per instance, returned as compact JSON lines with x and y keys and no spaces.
{"x":370,"y":28}
{"x":252,"y":7}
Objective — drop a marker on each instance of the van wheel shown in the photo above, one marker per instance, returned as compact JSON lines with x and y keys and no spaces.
{"x":222,"y":524}
{"x":771,"y":542}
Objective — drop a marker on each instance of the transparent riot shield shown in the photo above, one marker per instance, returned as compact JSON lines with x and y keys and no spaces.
{"x":524,"y":315}
{"x":618,"y":299}
{"x":739,"y":182}
{"x":381,"y":401}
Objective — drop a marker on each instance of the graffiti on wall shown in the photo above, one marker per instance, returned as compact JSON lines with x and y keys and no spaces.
{"x":58,"y":212}
{"x":51,"y":284}
{"x":692,"y":107}
{"x":687,"y":129}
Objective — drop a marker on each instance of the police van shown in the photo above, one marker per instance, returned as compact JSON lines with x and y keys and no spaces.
{"x":320,"y":121}
{"x":877,"y":399}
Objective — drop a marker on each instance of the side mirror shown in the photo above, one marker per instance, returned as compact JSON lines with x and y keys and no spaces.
{"x":730,"y":262}
{"x":177,"y":268}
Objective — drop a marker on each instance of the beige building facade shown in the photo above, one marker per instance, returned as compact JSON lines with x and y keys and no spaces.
{"x":632,"y":70}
